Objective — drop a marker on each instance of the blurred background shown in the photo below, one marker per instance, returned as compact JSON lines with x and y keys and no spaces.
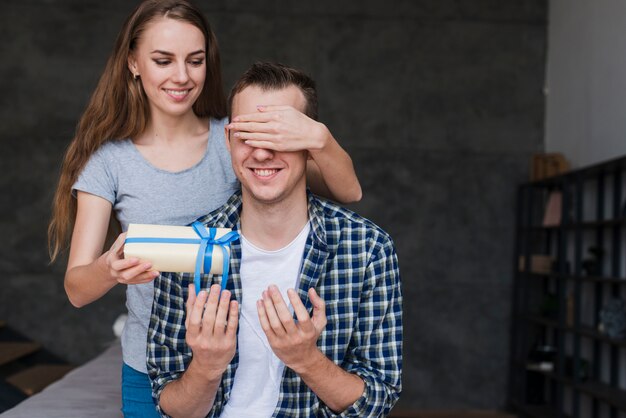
{"x":440,"y":103}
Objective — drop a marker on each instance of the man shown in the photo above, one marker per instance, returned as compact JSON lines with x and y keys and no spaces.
{"x":314,"y":327}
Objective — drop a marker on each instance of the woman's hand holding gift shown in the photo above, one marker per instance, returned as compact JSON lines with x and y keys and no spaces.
{"x":126,"y":270}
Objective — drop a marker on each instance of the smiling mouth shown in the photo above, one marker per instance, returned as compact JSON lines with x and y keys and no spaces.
{"x":178,"y":93}
{"x":265,"y":172}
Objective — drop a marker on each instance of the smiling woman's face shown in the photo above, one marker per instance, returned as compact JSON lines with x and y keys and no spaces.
{"x":170,"y":60}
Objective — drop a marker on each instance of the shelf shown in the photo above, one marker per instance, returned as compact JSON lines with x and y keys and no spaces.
{"x":598,"y":390}
{"x":548,"y":322}
{"x":591,"y":207}
{"x":537,"y":411}
{"x":585,"y":173}
{"x":583,"y":225}
{"x":604,"y":392}
{"x":583,"y":330}
{"x":590,"y":332}
{"x":603,"y":279}
{"x":596,"y":224}
{"x":537,"y":275}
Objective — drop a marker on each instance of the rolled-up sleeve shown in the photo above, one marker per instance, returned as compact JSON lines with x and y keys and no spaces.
{"x":168,"y":354}
{"x":375,"y":352}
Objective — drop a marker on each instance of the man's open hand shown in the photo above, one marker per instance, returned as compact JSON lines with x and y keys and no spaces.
{"x":211,"y":323}
{"x":295,"y":344}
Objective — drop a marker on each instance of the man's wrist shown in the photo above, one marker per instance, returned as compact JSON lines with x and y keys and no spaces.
{"x":193,"y":394}
{"x":203,"y":376}
{"x":312,"y":363}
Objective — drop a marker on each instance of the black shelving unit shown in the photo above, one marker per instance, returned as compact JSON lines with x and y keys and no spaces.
{"x":562,"y":364}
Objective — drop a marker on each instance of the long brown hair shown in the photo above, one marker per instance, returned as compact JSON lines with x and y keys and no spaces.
{"x":119,"y":107}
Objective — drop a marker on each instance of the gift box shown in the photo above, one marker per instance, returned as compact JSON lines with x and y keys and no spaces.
{"x":195,"y":249}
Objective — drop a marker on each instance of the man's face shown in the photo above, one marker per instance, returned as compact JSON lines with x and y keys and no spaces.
{"x":267,"y":176}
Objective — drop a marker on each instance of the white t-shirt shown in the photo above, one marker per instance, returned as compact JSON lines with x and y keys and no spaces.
{"x":257,"y":381}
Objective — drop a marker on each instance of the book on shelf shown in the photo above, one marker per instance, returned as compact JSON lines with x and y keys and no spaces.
{"x":552,"y":214}
{"x":547,"y":165}
{"x":539,"y":263}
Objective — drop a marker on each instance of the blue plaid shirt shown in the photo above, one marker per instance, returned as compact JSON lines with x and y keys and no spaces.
{"x":352,"y":264}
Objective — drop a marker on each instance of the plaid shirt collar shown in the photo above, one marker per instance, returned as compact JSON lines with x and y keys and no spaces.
{"x":228,"y":216}
{"x":315,"y":253}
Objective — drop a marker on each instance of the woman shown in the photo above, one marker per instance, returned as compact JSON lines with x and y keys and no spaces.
{"x":150,"y":148}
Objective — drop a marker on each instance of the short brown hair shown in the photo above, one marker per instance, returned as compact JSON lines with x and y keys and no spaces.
{"x":276,"y":76}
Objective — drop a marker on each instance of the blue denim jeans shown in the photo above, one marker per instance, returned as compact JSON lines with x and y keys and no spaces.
{"x":137,"y":394}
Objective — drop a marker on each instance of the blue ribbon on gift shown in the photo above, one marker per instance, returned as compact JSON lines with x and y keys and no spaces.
{"x":205,"y":251}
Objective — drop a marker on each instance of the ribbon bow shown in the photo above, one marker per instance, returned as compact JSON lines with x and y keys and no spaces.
{"x":207,"y":241}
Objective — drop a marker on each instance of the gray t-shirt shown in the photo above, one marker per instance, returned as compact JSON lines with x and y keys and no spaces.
{"x":142,"y":193}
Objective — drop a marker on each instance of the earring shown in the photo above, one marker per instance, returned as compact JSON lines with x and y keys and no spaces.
{"x":135,"y":76}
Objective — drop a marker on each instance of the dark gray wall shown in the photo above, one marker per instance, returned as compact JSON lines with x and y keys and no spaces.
{"x":439,"y":102}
